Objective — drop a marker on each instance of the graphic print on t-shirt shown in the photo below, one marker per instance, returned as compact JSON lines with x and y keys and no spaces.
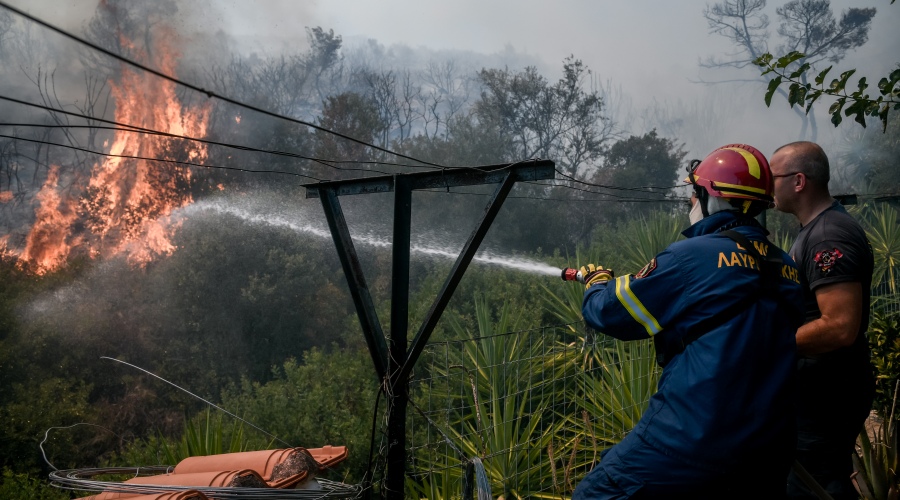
{"x":826,"y":259}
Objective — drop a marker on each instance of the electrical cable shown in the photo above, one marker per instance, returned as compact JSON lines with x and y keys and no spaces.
{"x":77,"y":148}
{"x":618,"y":199}
{"x":284,"y":172}
{"x":210,"y":94}
{"x":327,"y":163}
{"x":47,"y":436}
{"x":323,"y":161}
{"x":137,"y":128}
{"x":642,"y":188}
{"x":223,"y":410}
{"x":478,"y":338}
{"x":81,"y":479}
{"x":235,"y":492}
{"x":367,"y":478}
{"x":678,"y":199}
{"x":177,"y":162}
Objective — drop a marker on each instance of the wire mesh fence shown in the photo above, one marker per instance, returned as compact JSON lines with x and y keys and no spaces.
{"x":536,"y":407}
{"x":885,"y":299}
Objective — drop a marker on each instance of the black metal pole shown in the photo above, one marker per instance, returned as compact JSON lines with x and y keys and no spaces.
{"x":398,"y":397}
{"x":394,"y":364}
{"x":456,"y":273}
{"x":359,"y":291}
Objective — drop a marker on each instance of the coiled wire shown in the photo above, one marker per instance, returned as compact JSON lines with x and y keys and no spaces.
{"x":83,"y":480}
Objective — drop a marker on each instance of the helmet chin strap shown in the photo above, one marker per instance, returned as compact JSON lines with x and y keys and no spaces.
{"x":702,"y":198}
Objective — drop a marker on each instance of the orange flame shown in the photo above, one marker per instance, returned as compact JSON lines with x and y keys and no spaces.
{"x":47,"y":247}
{"x":126,"y":206}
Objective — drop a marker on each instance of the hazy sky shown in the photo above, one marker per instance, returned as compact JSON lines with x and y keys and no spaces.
{"x":632,"y":42}
{"x":650,"y":48}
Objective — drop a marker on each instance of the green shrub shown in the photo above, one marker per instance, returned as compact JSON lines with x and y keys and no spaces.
{"x":20,"y":486}
{"x":325,"y":399}
{"x":505,"y":412}
{"x":877,"y":461}
{"x":884,"y":339}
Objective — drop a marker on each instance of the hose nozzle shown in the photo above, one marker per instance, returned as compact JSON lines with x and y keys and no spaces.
{"x":572,"y":274}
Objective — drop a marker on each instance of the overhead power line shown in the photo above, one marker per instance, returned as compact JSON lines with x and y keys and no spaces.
{"x":885,"y":196}
{"x":295,"y":174}
{"x":209,"y":93}
{"x":284,"y":172}
{"x":328,"y":163}
{"x":136,"y":128}
{"x":163,"y":160}
{"x":647,"y":189}
{"x":126,"y":127}
{"x":609,"y":197}
{"x":620,"y":197}
{"x":322,"y":161}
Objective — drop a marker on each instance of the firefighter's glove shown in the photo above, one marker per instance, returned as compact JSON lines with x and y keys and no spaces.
{"x":595,"y":274}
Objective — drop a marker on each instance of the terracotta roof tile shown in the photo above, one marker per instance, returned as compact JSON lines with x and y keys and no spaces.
{"x":328,"y":456}
{"x":245,"y":478}
{"x":283,"y":468}
{"x":278,"y":468}
{"x":171,"y":495}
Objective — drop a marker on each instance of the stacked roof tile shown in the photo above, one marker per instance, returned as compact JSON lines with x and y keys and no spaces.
{"x":290,"y":468}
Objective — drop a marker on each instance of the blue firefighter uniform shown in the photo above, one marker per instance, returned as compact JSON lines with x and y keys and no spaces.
{"x":722,"y":417}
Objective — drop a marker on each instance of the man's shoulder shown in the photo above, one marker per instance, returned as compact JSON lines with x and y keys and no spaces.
{"x":834,"y":248}
{"x":839,"y":216}
{"x":834,"y":224}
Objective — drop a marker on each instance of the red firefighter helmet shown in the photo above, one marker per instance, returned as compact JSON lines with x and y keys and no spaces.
{"x":734,"y":171}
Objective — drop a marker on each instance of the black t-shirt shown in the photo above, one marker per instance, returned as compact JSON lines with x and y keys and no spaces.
{"x":833,"y":248}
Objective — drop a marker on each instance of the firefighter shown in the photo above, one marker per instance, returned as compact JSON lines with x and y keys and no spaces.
{"x":722,"y":308}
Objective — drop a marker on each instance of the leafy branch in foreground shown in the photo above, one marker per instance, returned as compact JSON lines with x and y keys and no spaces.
{"x":857,"y":103}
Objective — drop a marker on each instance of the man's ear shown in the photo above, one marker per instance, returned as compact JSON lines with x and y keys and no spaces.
{"x":800,"y":182}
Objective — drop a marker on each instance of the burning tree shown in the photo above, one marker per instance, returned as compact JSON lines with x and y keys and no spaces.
{"x":123,"y":203}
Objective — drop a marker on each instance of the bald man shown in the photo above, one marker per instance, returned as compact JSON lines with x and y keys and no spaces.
{"x":835,"y":379}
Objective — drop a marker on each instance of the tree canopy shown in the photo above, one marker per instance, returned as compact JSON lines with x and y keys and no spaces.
{"x":809,"y":35}
{"x":813,"y":36}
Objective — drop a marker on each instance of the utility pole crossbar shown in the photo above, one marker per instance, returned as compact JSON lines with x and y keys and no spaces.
{"x":394,"y":362}
{"x":532,"y":170}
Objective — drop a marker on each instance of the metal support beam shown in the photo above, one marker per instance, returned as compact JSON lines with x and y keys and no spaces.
{"x":456,"y":274}
{"x":395,"y":364}
{"x":396,"y":429}
{"x":359,"y":291}
{"x":531,"y":170}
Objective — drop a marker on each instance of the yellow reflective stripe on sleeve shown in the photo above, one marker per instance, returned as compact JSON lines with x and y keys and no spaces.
{"x":634,"y":306}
